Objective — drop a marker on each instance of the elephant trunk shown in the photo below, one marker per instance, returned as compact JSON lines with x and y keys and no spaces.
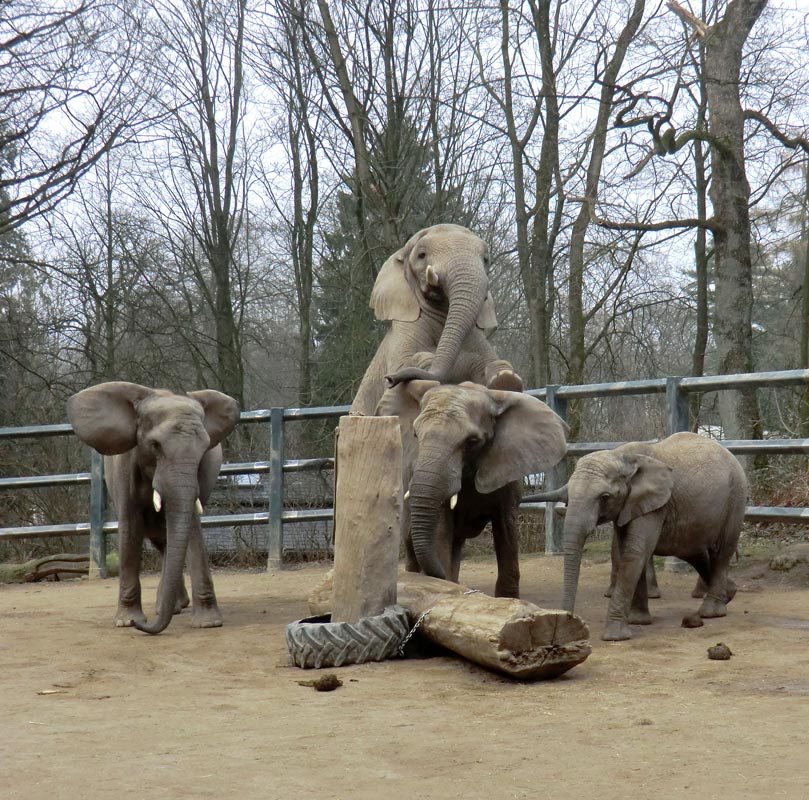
{"x":181,"y":517}
{"x":577,"y":527}
{"x":551,"y":496}
{"x":426,"y":497}
{"x":466,"y":288}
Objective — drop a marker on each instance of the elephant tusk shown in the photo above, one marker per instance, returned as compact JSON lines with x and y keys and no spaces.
{"x":432,"y":276}
{"x":157,"y":500}
{"x":407,"y":495}
{"x":198,"y":506}
{"x":453,"y":501}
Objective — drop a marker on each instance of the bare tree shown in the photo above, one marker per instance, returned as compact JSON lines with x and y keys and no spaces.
{"x":202,"y":176}
{"x":69,"y":94}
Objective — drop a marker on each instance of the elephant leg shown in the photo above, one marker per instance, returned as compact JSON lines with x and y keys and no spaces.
{"x":720,"y":589}
{"x":700,"y":588}
{"x":205,"y":612}
{"x":615,"y":557}
{"x":639,"y":608}
{"x":130,"y":554}
{"x":505,"y":530}
{"x":636,"y":544}
{"x":652,"y":589}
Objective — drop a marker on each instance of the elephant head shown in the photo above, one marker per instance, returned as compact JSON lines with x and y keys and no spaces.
{"x":466,"y":433}
{"x":170,"y":434}
{"x":441,"y":270}
{"x":607,"y":486}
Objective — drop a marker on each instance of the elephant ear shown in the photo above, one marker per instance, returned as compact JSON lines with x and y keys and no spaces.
{"x":221,"y":413}
{"x":487,"y":319}
{"x":105,"y":416}
{"x":649,"y":487}
{"x":404,"y":401}
{"x":392,"y":296}
{"x":528,"y":437}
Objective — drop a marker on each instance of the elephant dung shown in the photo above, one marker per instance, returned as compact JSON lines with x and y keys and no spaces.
{"x":510,"y":636}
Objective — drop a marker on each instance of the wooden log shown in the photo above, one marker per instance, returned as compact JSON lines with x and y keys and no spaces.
{"x":367,"y":523}
{"x":61,"y":565}
{"x":514,"y":637}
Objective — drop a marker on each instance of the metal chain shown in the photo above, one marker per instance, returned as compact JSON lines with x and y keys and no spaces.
{"x":412,"y":631}
{"x":421,"y":618}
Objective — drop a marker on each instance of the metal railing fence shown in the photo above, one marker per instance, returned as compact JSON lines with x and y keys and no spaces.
{"x":675,"y":389}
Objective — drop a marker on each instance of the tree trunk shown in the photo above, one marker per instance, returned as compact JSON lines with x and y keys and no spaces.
{"x":730,"y":196}
{"x":576,"y":317}
{"x":700,"y":250}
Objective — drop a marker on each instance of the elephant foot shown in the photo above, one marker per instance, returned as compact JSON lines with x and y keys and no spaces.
{"x":206,"y":618}
{"x":701,"y":589}
{"x":126,"y":617}
{"x":712,"y":607}
{"x":731,"y":590}
{"x":508,"y":592}
{"x":617,"y":632}
{"x":638,"y":617}
{"x":506,"y":380}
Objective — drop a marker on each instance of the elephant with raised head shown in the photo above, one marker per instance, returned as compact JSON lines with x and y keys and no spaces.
{"x":683,"y":496}
{"x":162,"y":457}
{"x":435,"y":293}
{"x":465,"y":449}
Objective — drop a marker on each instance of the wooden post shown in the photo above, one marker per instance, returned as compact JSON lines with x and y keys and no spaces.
{"x":367,"y":519}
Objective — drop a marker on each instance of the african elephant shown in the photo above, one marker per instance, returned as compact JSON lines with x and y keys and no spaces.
{"x":162,"y":460}
{"x":683,"y":496}
{"x":435,"y":293}
{"x":465,"y":448}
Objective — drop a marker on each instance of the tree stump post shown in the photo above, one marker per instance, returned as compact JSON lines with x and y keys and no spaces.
{"x":367,"y":516}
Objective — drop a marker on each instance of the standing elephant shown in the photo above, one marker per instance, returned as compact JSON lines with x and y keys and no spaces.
{"x":435,"y":292}
{"x":465,"y":448}
{"x":162,"y":460}
{"x":684,"y":496}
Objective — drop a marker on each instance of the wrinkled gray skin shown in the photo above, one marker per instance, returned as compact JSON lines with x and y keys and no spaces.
{"x":441,"y":311}
{"x":683,"y":496}
{"x":157,"y":441}
{"x":477,"y":443}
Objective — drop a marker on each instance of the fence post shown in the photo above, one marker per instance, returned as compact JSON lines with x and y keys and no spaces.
{"x":554,"y":478}
{"x":677,"y":418}
{"x":98,"y":502}
{"x":275,"y":533}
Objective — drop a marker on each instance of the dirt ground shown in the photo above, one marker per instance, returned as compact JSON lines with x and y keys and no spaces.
{"x":90,"y":711}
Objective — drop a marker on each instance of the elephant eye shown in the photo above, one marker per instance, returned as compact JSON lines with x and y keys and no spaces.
{"x":154,"y":446}
{"x":604,"y":496}
{"x":473,"y":441}
{"x":422,"y":254}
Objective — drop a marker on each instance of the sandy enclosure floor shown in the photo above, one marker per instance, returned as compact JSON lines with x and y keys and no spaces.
{"x":219,"y":714}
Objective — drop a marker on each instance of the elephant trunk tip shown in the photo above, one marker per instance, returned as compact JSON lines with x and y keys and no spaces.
{"x":158,"y":626}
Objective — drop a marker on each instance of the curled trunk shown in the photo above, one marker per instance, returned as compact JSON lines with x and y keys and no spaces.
{"x":180,"y":517}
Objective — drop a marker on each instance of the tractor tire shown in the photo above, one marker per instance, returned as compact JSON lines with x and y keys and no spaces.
{"x":316,"y":642}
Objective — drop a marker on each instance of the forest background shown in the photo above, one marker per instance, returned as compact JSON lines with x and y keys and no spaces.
{"x":200,"y":194}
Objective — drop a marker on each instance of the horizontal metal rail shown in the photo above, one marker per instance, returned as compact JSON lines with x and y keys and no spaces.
{"x":675,"y":390}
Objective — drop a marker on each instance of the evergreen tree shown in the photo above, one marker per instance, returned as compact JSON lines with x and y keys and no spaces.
{"x":346,"y":333}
